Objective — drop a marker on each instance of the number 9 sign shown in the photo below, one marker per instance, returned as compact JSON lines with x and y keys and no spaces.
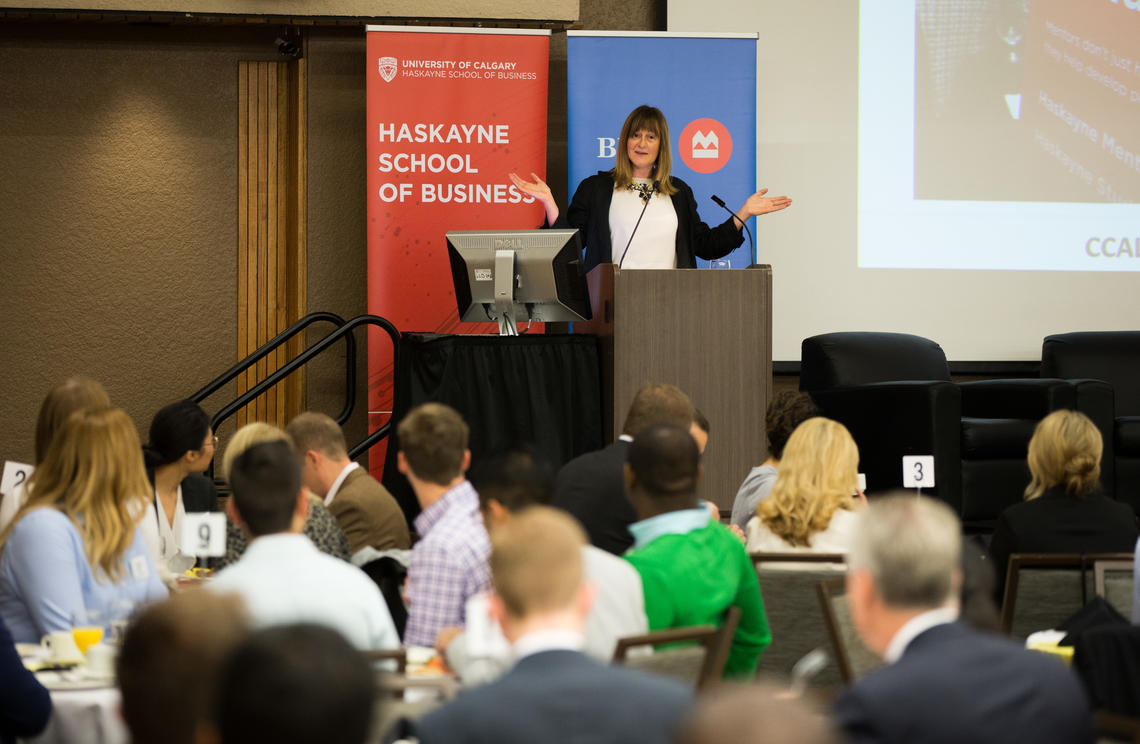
{"x":204,"y":534}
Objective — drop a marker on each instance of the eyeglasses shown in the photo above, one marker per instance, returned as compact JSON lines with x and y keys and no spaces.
{"x":211,"y":442}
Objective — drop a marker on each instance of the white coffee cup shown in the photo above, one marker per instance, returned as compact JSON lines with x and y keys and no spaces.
{"x":61,"y":648}
{"x":101,"y":660}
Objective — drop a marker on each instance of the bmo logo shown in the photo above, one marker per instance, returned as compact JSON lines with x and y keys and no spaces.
{"x":705,"y":145}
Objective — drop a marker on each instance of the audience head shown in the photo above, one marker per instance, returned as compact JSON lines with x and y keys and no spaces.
{"x":433,"y":444}
{"x":536,"y":571}
{"x":180,"y":433}
{"x":905,"y":559}
{"x":246,"y":437}
{"x":320,"y":444}
{"x":1065,"y":453}
{"x":296,"y":684}
{"x":266,"y":481}
{"x":510,"y":482}
{"x":818,"y":474}
{"x":93,"y":473}
{"x":662,"y":470}
{"x":69,"y":396}
{"x":755,"y":714}
{"x":788,"y":409}
{"x":658,"y":403}
{"x":169,"y":666}
{"x":700,"y":430}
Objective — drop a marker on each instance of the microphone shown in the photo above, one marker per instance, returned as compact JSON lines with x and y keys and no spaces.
{"x":645,"y":199}
{"x":744,"y":224}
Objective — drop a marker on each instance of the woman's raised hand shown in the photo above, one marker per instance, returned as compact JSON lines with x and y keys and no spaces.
{"x":758,"y":204}
{"x":540,"y":191}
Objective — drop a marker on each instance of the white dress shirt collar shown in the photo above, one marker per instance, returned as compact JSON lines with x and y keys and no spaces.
{"x":915,"y":627}
{"x":547,"y":640}
{"x":336,"y":484}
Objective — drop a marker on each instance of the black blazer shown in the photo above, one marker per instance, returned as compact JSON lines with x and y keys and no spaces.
{"x":198,"y":492}
{"x":591,"y":487}
{"x":954,"y":684}
{"x":561,"y":696}
{"x":1055,"y":522}
{"x":25,"y":705}
{"x":589,"y":212}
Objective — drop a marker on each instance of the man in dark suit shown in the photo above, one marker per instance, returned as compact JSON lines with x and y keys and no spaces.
{"x":591,"y":486}
{"x":942,"y":682}
{"x":554,"y":693}
{"x":363,"y":508}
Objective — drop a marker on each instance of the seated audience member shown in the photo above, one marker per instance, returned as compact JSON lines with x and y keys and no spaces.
{"x":692,"y":567}
{"x":169,"y":666}
{"x":1063,"y":511}
{"x":449,"y":563}
{"x":943,"y":682}
{"x":75,"y":544}
{"x":811,"y":508}
{"x":554,"y":693}
{"x":700,"y":429}
{"x":1136,"y":586}
{"x":296,"y":684}
{"x":320,"y":527}
{"x":590,"y":487}
{"x":282,"y":577}
{"x":363,"y":508}
{"x":755,"y":714}
{"x":25,"y":705}
{"x":788,"y":409}
{"x":508,"y":484}
{"x":64,"y":399}
{"x":179,"y":449}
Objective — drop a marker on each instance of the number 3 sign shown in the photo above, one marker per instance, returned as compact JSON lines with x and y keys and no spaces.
{"x":918,"y":471}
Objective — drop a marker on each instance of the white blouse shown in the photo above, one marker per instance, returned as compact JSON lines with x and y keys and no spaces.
{"x":837,"y":538}
{"x":164,"y":537}
{"x":654,"y":244}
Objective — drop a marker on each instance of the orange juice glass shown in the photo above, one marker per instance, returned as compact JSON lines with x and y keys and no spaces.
{"x":87,"y":636}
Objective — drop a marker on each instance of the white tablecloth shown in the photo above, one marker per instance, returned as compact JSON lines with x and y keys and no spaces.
{"x":84,"y":717}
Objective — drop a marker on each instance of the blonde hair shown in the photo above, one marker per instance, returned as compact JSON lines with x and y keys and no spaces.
{"x":93,"y":472}
{"x":64,"y":399}
{"x":817,"y":475}
{"x":536,"y":561}
{"x":651,"y":120}
{"x":1065,"y":451}
{"x":256,"y":433}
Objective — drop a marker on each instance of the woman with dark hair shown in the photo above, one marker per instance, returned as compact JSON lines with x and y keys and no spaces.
{"x":179,"y":449}
{"x":1063,"y":511}
{"x":638,"y":215}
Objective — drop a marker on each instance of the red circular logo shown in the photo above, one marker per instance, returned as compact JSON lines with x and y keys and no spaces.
{"x":705,"y":145}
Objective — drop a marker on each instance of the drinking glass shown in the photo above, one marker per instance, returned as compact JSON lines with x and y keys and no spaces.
{"x":87,"y":628}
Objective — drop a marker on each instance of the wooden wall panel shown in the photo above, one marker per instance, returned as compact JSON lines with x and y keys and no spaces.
{"x":270,"y":193}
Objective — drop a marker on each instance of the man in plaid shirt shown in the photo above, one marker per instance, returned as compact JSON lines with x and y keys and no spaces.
{"x":450,"y":562}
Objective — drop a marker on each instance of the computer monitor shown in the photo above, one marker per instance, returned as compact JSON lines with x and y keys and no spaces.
{"x":518,"y":275}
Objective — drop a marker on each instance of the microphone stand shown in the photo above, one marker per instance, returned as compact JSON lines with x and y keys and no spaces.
{"x":743,"y":223}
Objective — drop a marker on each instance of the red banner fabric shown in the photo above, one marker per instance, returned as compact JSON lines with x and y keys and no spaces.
{"x":450,"y":113}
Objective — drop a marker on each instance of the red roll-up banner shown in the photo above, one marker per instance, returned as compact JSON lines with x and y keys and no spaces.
{"x":450,"y":113}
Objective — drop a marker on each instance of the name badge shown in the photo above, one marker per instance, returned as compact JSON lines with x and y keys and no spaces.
{"x":140,"y":569}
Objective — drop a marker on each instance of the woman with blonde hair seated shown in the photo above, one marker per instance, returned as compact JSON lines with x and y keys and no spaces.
{"x":1063,"y":511}
{"x":811,"y":507}
{"x":321,"y":527}
{"x":74,"y":546}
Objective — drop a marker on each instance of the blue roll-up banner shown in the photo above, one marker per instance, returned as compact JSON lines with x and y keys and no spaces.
{"x":706,"y":87}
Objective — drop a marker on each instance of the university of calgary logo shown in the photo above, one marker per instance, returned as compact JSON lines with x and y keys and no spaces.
{"x":387,"y":68}
{"x":705,"y":145}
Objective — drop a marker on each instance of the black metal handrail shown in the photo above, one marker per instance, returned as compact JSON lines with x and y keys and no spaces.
{"x":272,"y":344}
{"x":292,"y":365}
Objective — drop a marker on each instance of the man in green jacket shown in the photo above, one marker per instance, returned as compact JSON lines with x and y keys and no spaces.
{"x":692,"y":567}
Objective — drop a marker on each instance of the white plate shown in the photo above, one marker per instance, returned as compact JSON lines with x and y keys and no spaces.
{"x":76,"y":679}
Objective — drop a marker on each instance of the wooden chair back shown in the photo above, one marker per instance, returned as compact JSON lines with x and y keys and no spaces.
{"x":853,"y":659}
{"x":699,"y":661}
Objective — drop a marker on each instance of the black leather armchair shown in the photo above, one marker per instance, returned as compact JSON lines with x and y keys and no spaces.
{"x":1093,"y":361}
{"x":893,"y":392}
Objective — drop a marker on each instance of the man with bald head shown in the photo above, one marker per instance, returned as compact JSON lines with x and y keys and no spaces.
{"x":693,"y":569}
{"x":942,"y":681}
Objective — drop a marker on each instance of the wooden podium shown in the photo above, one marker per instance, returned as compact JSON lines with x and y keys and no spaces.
{"x":709,"y":332}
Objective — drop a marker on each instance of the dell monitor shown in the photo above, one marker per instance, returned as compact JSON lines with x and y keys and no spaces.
{"x":510,"y":276}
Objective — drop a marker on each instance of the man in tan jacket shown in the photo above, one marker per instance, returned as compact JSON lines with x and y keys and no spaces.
{"x":363,"y":508}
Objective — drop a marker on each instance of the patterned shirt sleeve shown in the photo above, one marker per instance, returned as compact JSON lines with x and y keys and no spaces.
{"x":436,"y":594}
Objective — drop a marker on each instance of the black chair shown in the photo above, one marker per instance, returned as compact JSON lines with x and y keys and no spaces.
{"x":389,"y":575}
{"x":1093,"y":360}
{"x":893,"y":393}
